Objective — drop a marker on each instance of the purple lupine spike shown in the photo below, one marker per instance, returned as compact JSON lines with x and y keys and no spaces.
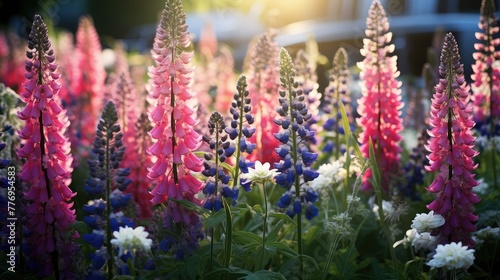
{"x":380,"y":105}
{"x":451,"y":152}
{"x":47,"y":170}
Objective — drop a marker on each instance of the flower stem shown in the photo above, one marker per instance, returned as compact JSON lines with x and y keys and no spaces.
{"x":331,"y":250}
{"x":108,"y":208}
{"x":229,"y":233}
{"x":264,"y":227}
{"x":210,"y":262}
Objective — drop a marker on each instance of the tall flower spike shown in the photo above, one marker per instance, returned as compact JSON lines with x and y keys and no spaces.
{"x":296,"y":159}
{"x":263,"y":85}
{"x":106,"y":185}
{"x":173,"y":118}
{"x":308,"y":82}
{"x":241,"y":130}
{"x":486,"y":86}
{"x":217,"y":184}
{"x":450,"y":144}
{"x":336,"y":91}
{"x":87,"y":84}
{"x":380,"y":105}
{"x":47,"y":170}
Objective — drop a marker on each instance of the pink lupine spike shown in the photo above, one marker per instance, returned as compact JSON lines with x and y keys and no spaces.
{"x":380,"y":105}
{"x":451,"y":151}
{"x":171,"y":124}
{"x":87,"y":85}
{"x":263,"y":85}
{"x":41,"y":135}
{"x":486,"y":88}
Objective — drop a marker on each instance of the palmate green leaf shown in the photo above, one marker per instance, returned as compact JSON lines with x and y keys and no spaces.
{"x":194,"y":266}
{"x":273,"y":235}
{"x":80,"y":227}
{"x":190,"y":206}
{"x":283,"y":249}
{"x":264,"y":275}
{"x":216,"y":218}
{"x":247,"y":238}
{"x":283,"y":217}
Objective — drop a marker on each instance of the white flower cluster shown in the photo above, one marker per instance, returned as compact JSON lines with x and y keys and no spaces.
{"x":335,"y":172}
{"x":329,"y":174}
{"x":387,"y":207}
{"x":419,"y":235}
{"x":452,"y":256}
{"x":131,"y":239}
{"x":260,"y":172}
{"x":486,"y":234}
{"x":488,"y":144}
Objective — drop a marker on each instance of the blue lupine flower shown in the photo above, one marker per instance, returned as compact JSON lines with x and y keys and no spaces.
{"x":296,"y":159}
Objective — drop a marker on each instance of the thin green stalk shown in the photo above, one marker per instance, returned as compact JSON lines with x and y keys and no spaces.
{"x":210,"y":261}
{"x":376,"y":186}
{"x":331,"y":251}
{"x":264,"y":227}
{"x":108,"y":209}
{"x":229,"y":233}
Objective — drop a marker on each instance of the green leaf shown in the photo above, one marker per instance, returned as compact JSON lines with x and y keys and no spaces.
{"x":193,"y":266}
{"x":80,"y":227}
{"x":257,"y":208}
{"x":216,"y":218}
{"x":190,"y":206}
{"x":273,"y":235}
{"x":264,"y":275}
{"x":282,"y":216}
{"x":283,"y":248}
{"x":123,"y":277}
{"x":247,"y":238}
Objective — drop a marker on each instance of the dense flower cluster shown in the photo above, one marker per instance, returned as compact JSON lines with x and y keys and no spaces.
{"x":336,"y":91}
{"x":486,"y":76}
{"x":104,"y":213}
{"x":263,"y":85}
{"x":87,"y":83}
{"x":380,"y":105}
{"x":296,"y":159}
{"x":451,"y":156}
{"x":452,"y":256}
{"x":217,"y":184}
{"x":47,"y":169}
{"x":173,"y":117}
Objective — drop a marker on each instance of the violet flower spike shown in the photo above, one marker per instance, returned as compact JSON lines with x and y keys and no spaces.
{"x":451,"y":156}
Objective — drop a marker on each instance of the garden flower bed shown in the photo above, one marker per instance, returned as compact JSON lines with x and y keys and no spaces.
{"x":170,"y":165}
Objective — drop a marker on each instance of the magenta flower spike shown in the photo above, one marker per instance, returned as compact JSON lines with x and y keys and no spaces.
{"x":486,"y":86}
{"x":174,"y":138}
{"x":87,"y":83}
{"x":263,"y":86}
{"x":380,"y":105}
{"x":47,"y":170}
{"x":451,"y":152}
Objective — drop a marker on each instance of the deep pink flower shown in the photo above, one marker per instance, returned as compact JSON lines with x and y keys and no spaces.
{"x":173,"y":118}
{"x":12,"y":61}
{"x":135,"y":139}
{"x":451,"y":152}
{"x":486,"y":86}
{"x":47,"y":170}
{"x":263,"y":85}
{"x":380,"y":105}
{"x":87,"y":85}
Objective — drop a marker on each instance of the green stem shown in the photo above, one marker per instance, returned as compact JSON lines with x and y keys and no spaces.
{"x":296,"y":178}
{"x":210,"y":262}
{"x":331,"y":250}
{"x":108,"y":208}
{"x":229,"y":233}
{"x":261,"y":266}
